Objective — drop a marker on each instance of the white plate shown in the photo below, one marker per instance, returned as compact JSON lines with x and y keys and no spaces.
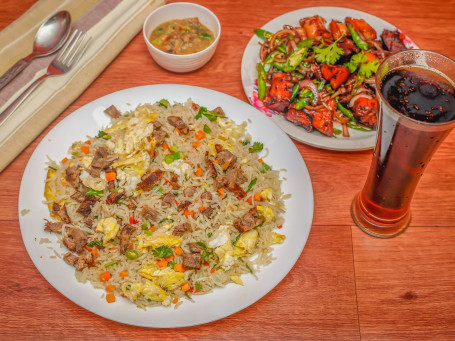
{"x":222,"y":302}
{"x":358,"y":140}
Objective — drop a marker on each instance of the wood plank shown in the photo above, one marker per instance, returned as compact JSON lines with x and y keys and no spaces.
{"x":405,"y":285}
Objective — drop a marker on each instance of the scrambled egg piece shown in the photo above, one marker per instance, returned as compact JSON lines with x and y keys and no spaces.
{"x":266,"y":211}
{"x":98,"y":184}
{"x":179,"y":167}
{"x":109,"y":227}
{"x":220,"y":237}
{"x":87,"y":161}
{"x":236,"y":279}
{"x":156,"y":241}
{"x":150,"y":290}
{"x":49,"y":193}
{"x":246,"y":243}
{"x":277,"y":238}
{"x":225,"y":254}
{"x":165,"y":277}
{"x":136,"y":165}
{"x":266,"y":194}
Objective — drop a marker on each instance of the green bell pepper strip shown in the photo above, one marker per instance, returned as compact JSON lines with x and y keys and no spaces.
{"x":268,"y":62}
{"x":301,"y":103}
{"x":295,"y":58}
{"x":295,"y":91}
{"x":358,"y":82}
{"x":305,"y":97}
{"x":263,"y":34}
{"x":356,"y":38}
{"x":346,"y":112}
{"x":282,"y":48}
{"x":279,"y":66}
{"x":357,"y":127}
{"x":262,"y":84}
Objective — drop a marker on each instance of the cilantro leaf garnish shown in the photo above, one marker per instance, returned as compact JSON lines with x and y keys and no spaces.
{"x":328,"y":54}
{"x":163,"y":251}
{"x":256,"y":147}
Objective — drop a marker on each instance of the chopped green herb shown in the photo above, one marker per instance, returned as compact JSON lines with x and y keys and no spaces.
{"x":103,"y":135}
{"x":265,"y":168}
{"x":163,"y":251}
{"x":250,"y":186}
{"x":164,"y":103}
{"x":236,"y":240}
{"x":225,"y":196}
{"x":110,"y":263}
{"x":248,"y":267}
{"x":131,"y":254}
{"x":188,"y":296}
{"x":144,"y":225}
{"x":207,"y":129}
{"x":75,"y":153}
{"x":328,"y":54}
{"x":163,"y":220}
{"x":174,"y":148}
{"x":52,"y":168}
{"x":209,"y":234}
{"x":205,"y":252}
{"x":147,"y":232}
{"x":169,"y":158}
{"x":205,"y":35}
{"x":171,"y":264}
{"x":128,"y":287}
{"x":198,"y":286}
{"x":336,"y":131}
{"x":95,"y":242}
{"x":94,"y":193}
{"x":211,"y":116}
{"x":256,"y":147}
{"x":246,"y":142}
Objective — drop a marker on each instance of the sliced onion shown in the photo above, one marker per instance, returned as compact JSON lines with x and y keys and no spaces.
{"x":356,"y":97}
{"x":306,"y":83}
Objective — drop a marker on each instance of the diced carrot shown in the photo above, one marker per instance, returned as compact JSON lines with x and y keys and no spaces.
{"x":186,"y":287}
{"x":123,"y":274}
{"x":189,"y":213}
{"x":197,"y":290}
{"x":178,"y":251}
{"x":64,"y":184}
{"x":105,"y":276}
{"x":89,"y":249}
{"x":176,"y":202}
{"x":261,"y":161}
{"x":175,"y":300}
{"x":162,"y":263}
{"x":257,"y":197}
{"x":221,"y":190}
{"x":249,"y":199}
{"x":111,"y":176}
{"x":95,"y":251}
{"x":132,"y":220}
{"x":212,"y":270}
{"x":371,"y":57}
{"x":85,"y":149}
{"x":231,"y":207}
{"x":110,"y":288}
{"x":199,"y":135}
{"x":196,"y":144}
{"x":165,"y":146}
{"x":201,"y":209}
{"x":179,"y":268}
{"x":191,"y":289}
{"x":65,"y":160}
{"x":113,"y":248}
{"x":216,"y":161}
{"x":87,"y":142}
{"x":149,"y":138}
{"x":199,"y":172}
{"x":110,"y":298}
{"x":177,"y":130}
{"x":131,"y":246}
{"x":281,"y":226}
{"x":171,"y":257}
{"x":151,"y":229}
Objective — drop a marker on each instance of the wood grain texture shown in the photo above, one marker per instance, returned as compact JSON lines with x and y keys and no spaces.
{"x":346,"y":285}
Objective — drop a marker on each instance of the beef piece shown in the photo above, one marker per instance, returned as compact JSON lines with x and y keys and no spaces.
{"x":53,"y":226}
{"x":208,"y":212}
{"x":189,"y":191}
{"x":132,"y":204}
{"x":299,"y":117}
{"x":177,"y":122}
{"x":149,"y":213}
{"x":192,"y":261}
{"x":219,"y":111}
{"x":72,"y":174}
{"x":78,"y":196}
{"x":89,"y":221}
{"x":211,"y":169}
{"x":149,"y":179}
{"x":95,"y":172}
{"x":195,"y":248}
{"x":348,"y":46}
{"x":322,"y":120}
{"x":236,"y":189}
{"x":315,"y":71}
{"x":76,"y":240}
{"x":226,"y":159}
{"x":195,"y":107}
{"x":157,"y":125}
{"x":236,"y":175}
{"x":168,"y":199}
{"x":113,"y":112}
{"x":79,"y":262}
{"x":110,"y":185}
{"x":220,"y":181}
{"x":100,"y":160}
{"x":125,"y":236}
{"x":60,"y":211}
{"x":248,"y":221}
{"x":206,"y":196}
{"x":85,"y":208}
{"x":393,"y":41}
{"x":174,"y":181}
{"x":181,"y":229}
{"x":114,"y":197}
{"x":184,"y":205}
{"x":159,"y":136}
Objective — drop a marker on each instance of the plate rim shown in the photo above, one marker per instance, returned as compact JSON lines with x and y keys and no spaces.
{"x":37,"y":153}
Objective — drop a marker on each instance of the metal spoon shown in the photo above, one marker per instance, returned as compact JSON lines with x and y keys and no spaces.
{"x":49,"y":38}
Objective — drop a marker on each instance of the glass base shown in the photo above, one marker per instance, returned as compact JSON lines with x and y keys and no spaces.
{"x":377,"y":228}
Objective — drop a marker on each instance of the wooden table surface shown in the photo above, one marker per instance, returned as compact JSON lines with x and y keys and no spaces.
{"x":346,"y":285}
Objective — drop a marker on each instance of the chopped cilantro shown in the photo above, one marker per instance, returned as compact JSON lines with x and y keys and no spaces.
{"x":248,"y":267}
{"x":169,"y":158}
{"x":364,"y":66}
{"x":188,"y":296}
{"x":207,"y":129}
{"x":198,"y":286}
{"x":103,"y":135}
{"x":256,"y":147}
{"x":236,"y":239}
{"x":147,"y":232}
{"x":266,"y":167}
{"x":328,"y":54}
{"x":163,"y":251}
{"x":110,"y":263}
{"x":164,"y":103}
{"x":52,"y":168}
{"x":171,"y":264}
{"x":211,"y":115}
{"x":246,"y":142}
{"x":336,"y":131}
{"x":94,"y":193}
{"x":250,"y":186}
{"x":95,"y":242}
{"x":209,"y":234}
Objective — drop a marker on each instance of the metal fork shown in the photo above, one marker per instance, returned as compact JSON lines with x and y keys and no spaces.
{"x":61,"y":64}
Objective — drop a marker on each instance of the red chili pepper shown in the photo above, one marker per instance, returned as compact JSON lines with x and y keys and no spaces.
{"x":132,"y":220}
{"x":206,"y":264}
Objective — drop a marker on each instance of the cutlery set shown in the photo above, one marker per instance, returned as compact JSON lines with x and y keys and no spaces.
{"x":50,"y":37}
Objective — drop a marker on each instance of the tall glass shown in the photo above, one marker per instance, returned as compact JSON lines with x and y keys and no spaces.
{"x":404,"y":146}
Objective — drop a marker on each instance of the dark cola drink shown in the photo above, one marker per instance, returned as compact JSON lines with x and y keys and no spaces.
{"x":417,"y":109}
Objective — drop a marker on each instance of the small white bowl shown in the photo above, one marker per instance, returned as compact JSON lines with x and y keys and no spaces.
{"x":181,"y":10}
